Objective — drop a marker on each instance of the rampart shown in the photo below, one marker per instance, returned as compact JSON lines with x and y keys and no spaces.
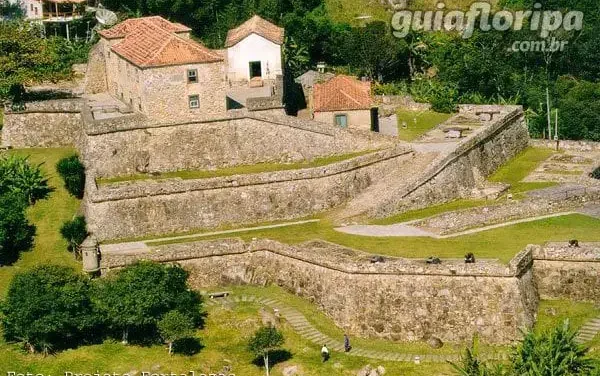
{"x":50,"y":123}
{"x":569,"y":273}
{"x":398,"y":299}
{"x":454,"y":175}
{"x":146,"y":207}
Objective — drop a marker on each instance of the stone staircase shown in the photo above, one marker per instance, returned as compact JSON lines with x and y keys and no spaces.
{"x":588,"y":331}
{"x":379,"y":193}
{"x":305,"y":329}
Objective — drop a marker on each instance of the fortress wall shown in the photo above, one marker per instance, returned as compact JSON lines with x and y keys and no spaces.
{"x":567,"y":145}
{"x":51,"y":123}
{"x":568,"y":273}
{"x":455,"y":175}
{"x":399,"y":299}
{"x":142,"y":208}
{"x":125,"y":149}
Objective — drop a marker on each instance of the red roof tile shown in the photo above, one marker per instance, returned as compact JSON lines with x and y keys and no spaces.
{"x":255,"y":25}
{"x":121,"y":30}
{"x":342,"y":93}
{"x":148,"y":44}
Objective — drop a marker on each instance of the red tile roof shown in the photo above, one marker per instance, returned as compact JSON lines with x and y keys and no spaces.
{"x":255,"y":25}
{"x":342,"y":93}
{"x":148,"y":44}
{"x":121,"y":30}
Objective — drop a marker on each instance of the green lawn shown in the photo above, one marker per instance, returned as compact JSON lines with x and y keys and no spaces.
{"x":431,"y":211}
{"x":501,"y":243}
{"x":425,"y":121}
{"x":352,"y":11}
{"x":47,"y":215}
{"x":238,"y":170}
{"x":520,"y":167}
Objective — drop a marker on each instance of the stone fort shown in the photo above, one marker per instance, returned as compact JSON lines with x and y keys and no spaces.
{"x":143,"y":112}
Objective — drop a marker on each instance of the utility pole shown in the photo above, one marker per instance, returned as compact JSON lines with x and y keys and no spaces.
{"x":556,"y":129}
{"x":548,"y":112}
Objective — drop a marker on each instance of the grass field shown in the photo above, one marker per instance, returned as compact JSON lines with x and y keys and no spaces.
{"x":521,"y":166}
{"x":47,"y":215}
{"x":418,"y":123}
{"x":431,"y":211}
{"x":238,"y":170}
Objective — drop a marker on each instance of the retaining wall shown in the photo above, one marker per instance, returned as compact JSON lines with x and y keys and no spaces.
{"x":141,"y":208}
{"x":568,"y":273}
{"x":454,"y":175}
{"x":567,"y":145}
{"x":51,"y":123}
{"x":399,"y":299}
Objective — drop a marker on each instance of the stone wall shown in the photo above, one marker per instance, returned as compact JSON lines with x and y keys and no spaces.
{"x":95,"y":77}
{"x":51,"y":123}
{"x":129,"y":146}
{"x":455,"y":175}
{"x":567,"y":145}
{"x":568,"y":273}
{"x":141,"y":208}
{"x":357,"y":119}
{"x":399,"y":299}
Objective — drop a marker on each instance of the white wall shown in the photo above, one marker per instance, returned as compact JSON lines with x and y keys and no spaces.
{"x":30,"y":7}
{"x":253,"y":48}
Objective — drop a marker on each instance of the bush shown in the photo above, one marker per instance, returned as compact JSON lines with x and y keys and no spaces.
{"x":73,"y":173}
{"x":48,"y":308}
{"x":16,"y":234}
{"x":74,"y":232}
{"x":17,"y":175}
{"x":136,"y":298}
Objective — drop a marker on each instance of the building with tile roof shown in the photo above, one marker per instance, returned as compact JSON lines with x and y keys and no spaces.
{"x":254,"y":52}
{"x":153,"y":66}
{"x":344,"y":101}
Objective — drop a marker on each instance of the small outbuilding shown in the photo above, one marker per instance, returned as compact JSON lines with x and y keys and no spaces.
{"x":345,"y":102}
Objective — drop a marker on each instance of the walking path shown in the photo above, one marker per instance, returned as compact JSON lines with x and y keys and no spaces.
{"x":305,"y":329}
{"x":589,"y":331}
{"x":405,"y":229}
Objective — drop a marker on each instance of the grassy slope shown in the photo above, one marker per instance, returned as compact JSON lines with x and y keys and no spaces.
{"x":47,"y":215}
{"x":239,"y":170}
{"x":521,"y":166}
{"x":425,"y":121}
{"x":431,"y":211}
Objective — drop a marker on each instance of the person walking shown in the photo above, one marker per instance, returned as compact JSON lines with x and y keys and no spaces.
{"x":347,"y":346}
{"x":325,"y":353}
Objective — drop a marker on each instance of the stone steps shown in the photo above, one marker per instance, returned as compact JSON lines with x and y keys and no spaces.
{"x":588,"y":331}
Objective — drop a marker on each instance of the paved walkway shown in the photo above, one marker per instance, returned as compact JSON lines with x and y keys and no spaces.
{"x":406,"y":230}
{"x":305,"y":329}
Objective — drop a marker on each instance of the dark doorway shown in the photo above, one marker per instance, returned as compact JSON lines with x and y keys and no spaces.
{"x":375,"y":119}
{"x":255,"y":69}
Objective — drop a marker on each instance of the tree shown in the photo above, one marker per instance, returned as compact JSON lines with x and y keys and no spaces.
{"x":73,"y":173}
{"x":16,"y":234}
{"x":174,"y":326}
{"x":552,"y":353}
{"x":265,"y":340}
{"x":17,"y":175}
{"x":47,"y":308}
{"x":136,"y":297}
{"x":74,"y":232}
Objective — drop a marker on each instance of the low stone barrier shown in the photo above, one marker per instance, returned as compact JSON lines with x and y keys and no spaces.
{"x":567,"y":145}
{"x":398,"y":299}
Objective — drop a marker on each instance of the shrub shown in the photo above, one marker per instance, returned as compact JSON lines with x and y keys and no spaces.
{"x":73,"y":173}
{"x":175,"y":326}
{"x":137,"y":297}
{"x":16,"y":234}
{"x":48,"y":308}
{"x":74,"y":232}
{"x":19,"y":176}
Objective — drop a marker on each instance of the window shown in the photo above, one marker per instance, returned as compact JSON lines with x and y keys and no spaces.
{"x":341,"y":120}
{"x":194,"y":101}
{"x":192,"y":76}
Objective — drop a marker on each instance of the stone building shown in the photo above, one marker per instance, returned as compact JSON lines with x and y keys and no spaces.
{"x":153,"y":66}
{"x":254,"y":52}
{"x":345,"y":102}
